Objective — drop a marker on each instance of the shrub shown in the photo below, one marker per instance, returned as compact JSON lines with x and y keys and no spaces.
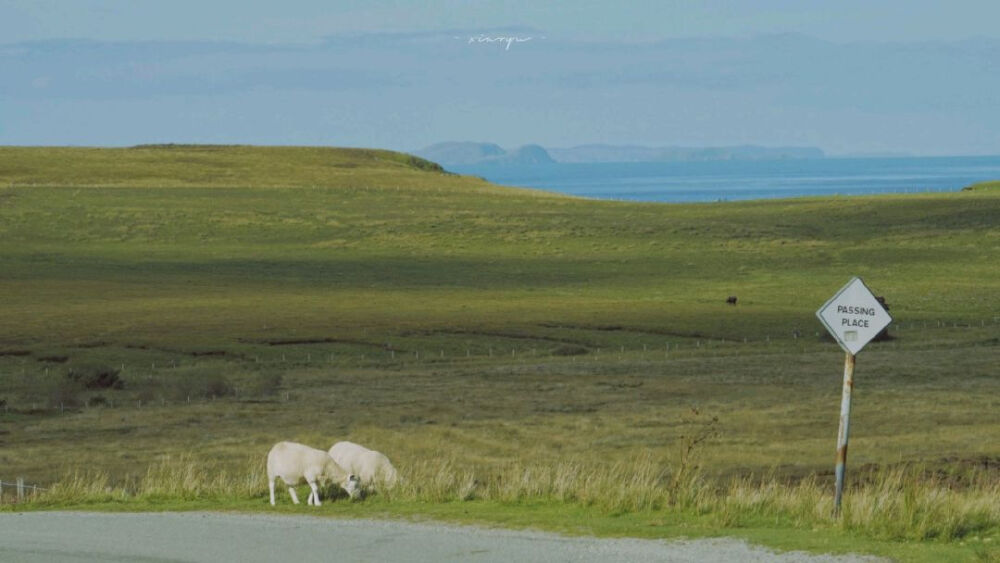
{"x":217,"y":385}
{"x":570,"y":350}
{"x":54,"y":359}
{"x":200,"y":382}
{"x":265,"y":384}
{"x":95,"y":376}
{"x":97,"y":401}
{"x":64,"y":393}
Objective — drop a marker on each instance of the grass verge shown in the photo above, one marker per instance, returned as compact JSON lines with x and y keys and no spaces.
{"x":903,"y":513}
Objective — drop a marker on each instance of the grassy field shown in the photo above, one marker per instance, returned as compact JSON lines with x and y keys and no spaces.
{"x":205,"y":302}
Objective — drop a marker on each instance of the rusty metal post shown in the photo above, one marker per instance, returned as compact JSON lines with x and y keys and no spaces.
{"x":845,"y":426}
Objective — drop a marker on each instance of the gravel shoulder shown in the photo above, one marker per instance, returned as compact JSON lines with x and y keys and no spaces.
{"x":205,"y":536}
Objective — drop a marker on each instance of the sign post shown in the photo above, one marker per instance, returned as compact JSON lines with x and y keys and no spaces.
{"x":844,"y":430}
{"x":854,"y":317}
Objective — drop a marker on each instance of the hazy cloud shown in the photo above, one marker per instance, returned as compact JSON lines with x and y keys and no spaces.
{"x":409,"y":89}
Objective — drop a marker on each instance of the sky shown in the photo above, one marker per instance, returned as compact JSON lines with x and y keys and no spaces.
{"x":311,"y":20}
{"x":849,"y":77}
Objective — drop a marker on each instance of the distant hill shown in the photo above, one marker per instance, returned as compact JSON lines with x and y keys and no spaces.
{"x":470,"y":153}
{"x":876,"y":154}
{"x":491,"y":154}
{"x":606,"y":153}
{"x":225,"y":166}
{"x":460,"y":153}
{"x":632,"y":153}
{"x":529,"y":154}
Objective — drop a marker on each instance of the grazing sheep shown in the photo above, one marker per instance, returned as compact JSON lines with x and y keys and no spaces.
{"x":369,"y":465}
{"x":293,"y":462}
{"x":731,"y":300}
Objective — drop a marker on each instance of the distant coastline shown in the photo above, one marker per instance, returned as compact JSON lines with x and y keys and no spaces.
{"x":468,"y":153}
{"x":729,"y":180}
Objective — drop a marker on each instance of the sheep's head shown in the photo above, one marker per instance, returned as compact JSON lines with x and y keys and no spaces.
{"x":352,"y":485}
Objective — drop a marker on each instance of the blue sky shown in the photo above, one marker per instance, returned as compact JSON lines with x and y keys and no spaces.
{"x":304,"y":21}
{"x":846,"y":76}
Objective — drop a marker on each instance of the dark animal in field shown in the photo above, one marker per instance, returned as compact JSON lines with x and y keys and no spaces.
{"x":731,"y":300}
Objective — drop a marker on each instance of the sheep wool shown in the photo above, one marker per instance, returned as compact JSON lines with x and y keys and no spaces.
{"x":293,"y":462}
{"x":371,"y":467}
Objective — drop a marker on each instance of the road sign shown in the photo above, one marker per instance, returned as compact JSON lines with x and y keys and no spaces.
{"x":854,"y":316}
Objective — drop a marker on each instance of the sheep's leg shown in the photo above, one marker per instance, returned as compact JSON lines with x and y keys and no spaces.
{"x":295,"y":497}
{"x":270,"y":485}
{"x":312,"y":493}
{"x":315,"y":493}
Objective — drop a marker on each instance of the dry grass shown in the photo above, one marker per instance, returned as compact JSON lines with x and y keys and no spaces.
{"x":902,"y":503}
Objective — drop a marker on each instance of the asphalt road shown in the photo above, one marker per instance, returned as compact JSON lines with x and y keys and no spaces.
{"x":76,"y":537}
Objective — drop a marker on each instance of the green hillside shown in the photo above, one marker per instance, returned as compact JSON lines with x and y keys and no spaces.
{"x":378,"y":243}
{"x":983,"y":186}
{"x":217,"y":166}
{"x":313,"y":293}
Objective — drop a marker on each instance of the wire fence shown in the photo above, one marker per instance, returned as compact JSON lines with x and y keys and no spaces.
{"x":153,"y":380}
{"x":20,"y":488}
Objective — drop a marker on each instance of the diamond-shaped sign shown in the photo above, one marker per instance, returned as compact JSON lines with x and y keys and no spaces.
{"x":854,"y":316}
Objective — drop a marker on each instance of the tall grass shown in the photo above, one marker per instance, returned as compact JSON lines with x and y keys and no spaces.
{"x":901,"y":503}
{"x":179,"y":478}
{"x":624,"y":486}
{"x":895,"y":504}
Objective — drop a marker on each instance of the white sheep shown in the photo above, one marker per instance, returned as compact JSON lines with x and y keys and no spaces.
{"x":369,"y":465}
{"x":293,"y":462}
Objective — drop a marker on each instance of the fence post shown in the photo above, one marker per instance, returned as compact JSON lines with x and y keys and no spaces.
{"x":20,"y":488}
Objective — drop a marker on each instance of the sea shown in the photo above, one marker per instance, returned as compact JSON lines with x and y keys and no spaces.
{"x":733,"y":180}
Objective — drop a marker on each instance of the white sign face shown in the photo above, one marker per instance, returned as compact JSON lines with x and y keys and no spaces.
{"x":853,"y":316}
